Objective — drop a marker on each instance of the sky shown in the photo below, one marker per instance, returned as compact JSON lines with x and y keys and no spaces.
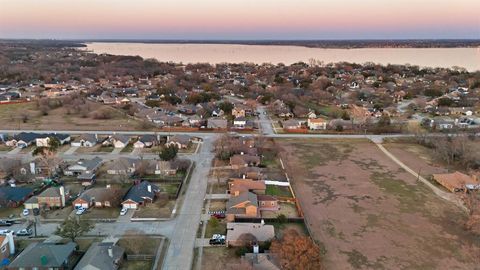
{"x":240,"y":19}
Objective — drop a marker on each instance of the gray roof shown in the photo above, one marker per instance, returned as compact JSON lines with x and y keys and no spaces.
{"x":89,"y":164}
{"x":139,"y":192}
{"x":97,"y":257}
{"x":123,"y":163}
{"x":88,"y":137}
{"x":43,"y":255}
{"x":217,"y":123}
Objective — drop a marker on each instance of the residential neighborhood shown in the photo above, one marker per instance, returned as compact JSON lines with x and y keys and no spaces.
{"x":162,"y":165}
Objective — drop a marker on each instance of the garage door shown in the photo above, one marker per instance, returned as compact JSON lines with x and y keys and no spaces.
{"x":130,"y":205}
{"x":84,"y":205}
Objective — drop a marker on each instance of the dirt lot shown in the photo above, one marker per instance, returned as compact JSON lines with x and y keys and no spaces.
{"x":219,"y":258}
{"x":12,"y":116}
{"x":367,"y":213}
{"x":417,"y":157}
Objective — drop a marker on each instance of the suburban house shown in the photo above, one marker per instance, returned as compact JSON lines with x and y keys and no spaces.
{"x":117,"y":141}
{"x":85,"y":140}
{"x":237,"y":186}
{"x":99,"y":197}
{"x":162,"y":167}
{"x":84,"y":169}
{"x":253,"y":173}
{"x":44,"y":140}
{"x":102,"y":256}
{"x":240,"y":161}
{"x":217,"y":123}
{"x":240,"y":122}
{"x":14,"y":196}
{"x":6,"y":247}
{"x":140,"y":194}
{"x":239,"y":111}
{"x":180,"y":140}
{"x":146,"y":141}
{"x":243,"y":205}
{"x":246,"y":234}
{"x":23,"y":139}
{"x":316,"y":124}
{"x":52,"y":197}
{"x":292,"y":124}
{"x":39,"y":255}
{"x":267,"y":203}
{"x":457,"y":181}
{"x":123,"y":166}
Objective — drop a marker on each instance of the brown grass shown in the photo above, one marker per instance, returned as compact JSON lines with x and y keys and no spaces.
{"x":367,"y":213}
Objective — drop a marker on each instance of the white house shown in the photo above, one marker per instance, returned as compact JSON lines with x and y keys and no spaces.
{"x":86,"y":140}
{"x":316,"y":123}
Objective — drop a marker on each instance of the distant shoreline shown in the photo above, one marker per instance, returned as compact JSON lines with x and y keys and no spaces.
{"x":325,"y":44}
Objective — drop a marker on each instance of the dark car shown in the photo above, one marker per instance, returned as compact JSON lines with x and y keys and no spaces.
{"x":5,"y":223}
{"x":219,"y":215}
{"x":215,"y":242}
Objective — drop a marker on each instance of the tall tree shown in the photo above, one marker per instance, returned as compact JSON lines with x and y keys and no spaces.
{"x":74,"y":227}
{"x":168,"y":153}
{"x":296,"y":252}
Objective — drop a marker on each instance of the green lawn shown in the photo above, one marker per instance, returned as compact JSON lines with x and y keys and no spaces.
{"x":4,"y":148}
{"x":278,"y":191}
{"x":220,"y":228}
{"x":102,"y":213}
{"x":6,"y":212}
{"x":106,"y":149}
{"x":170,"y":189}
{"x":128,"y":148}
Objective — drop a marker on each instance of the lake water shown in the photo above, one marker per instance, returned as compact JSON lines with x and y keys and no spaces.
{"x":468,"y":58}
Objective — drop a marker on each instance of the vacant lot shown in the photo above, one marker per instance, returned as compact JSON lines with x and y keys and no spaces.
{"x":367,"y":213}
{"x":220,"y":258}
{"x":417,"y":157}
{"x":27,"y":116}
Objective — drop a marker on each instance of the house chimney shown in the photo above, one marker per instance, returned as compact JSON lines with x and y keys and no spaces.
{"x":32,"y":167}
{"x":62,"y":195}
{"x":11,"y":243}
{"x":256,"y":249}
{"x":149,"y":188}
{"x":110,"y":252}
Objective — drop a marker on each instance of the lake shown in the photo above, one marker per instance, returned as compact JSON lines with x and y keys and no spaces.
{"x":468,"y":58}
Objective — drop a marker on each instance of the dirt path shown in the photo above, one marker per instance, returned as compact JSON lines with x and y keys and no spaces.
{"x":442,"y":194}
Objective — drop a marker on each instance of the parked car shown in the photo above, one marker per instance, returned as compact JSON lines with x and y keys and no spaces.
{"x":80,"y":210}
{"x":36,"y":211}
{"x":25,"y":212}
{"x":217,"y":239}
{"x":219,"y":215}
{"x":123,"y":212}
{"x":5,"y":223}
{"x":6,"y":231}
{"x":24,"y":232}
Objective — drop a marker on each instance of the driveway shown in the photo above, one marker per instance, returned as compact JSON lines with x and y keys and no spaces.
{"x":71,"y":150}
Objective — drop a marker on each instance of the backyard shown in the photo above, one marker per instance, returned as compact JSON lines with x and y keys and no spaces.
{"x":351,"y":194}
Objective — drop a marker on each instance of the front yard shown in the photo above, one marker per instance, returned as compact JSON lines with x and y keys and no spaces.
{"x":215,"y":227}
{"x":102,"y":213}
{"x":161,"y":208}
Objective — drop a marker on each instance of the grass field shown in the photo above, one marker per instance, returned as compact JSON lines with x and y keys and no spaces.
{"x":367,"y":213}
{"x":13,"y":116}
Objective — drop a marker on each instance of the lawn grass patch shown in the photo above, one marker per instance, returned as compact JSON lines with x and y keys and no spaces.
{"x":278,"y":191}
